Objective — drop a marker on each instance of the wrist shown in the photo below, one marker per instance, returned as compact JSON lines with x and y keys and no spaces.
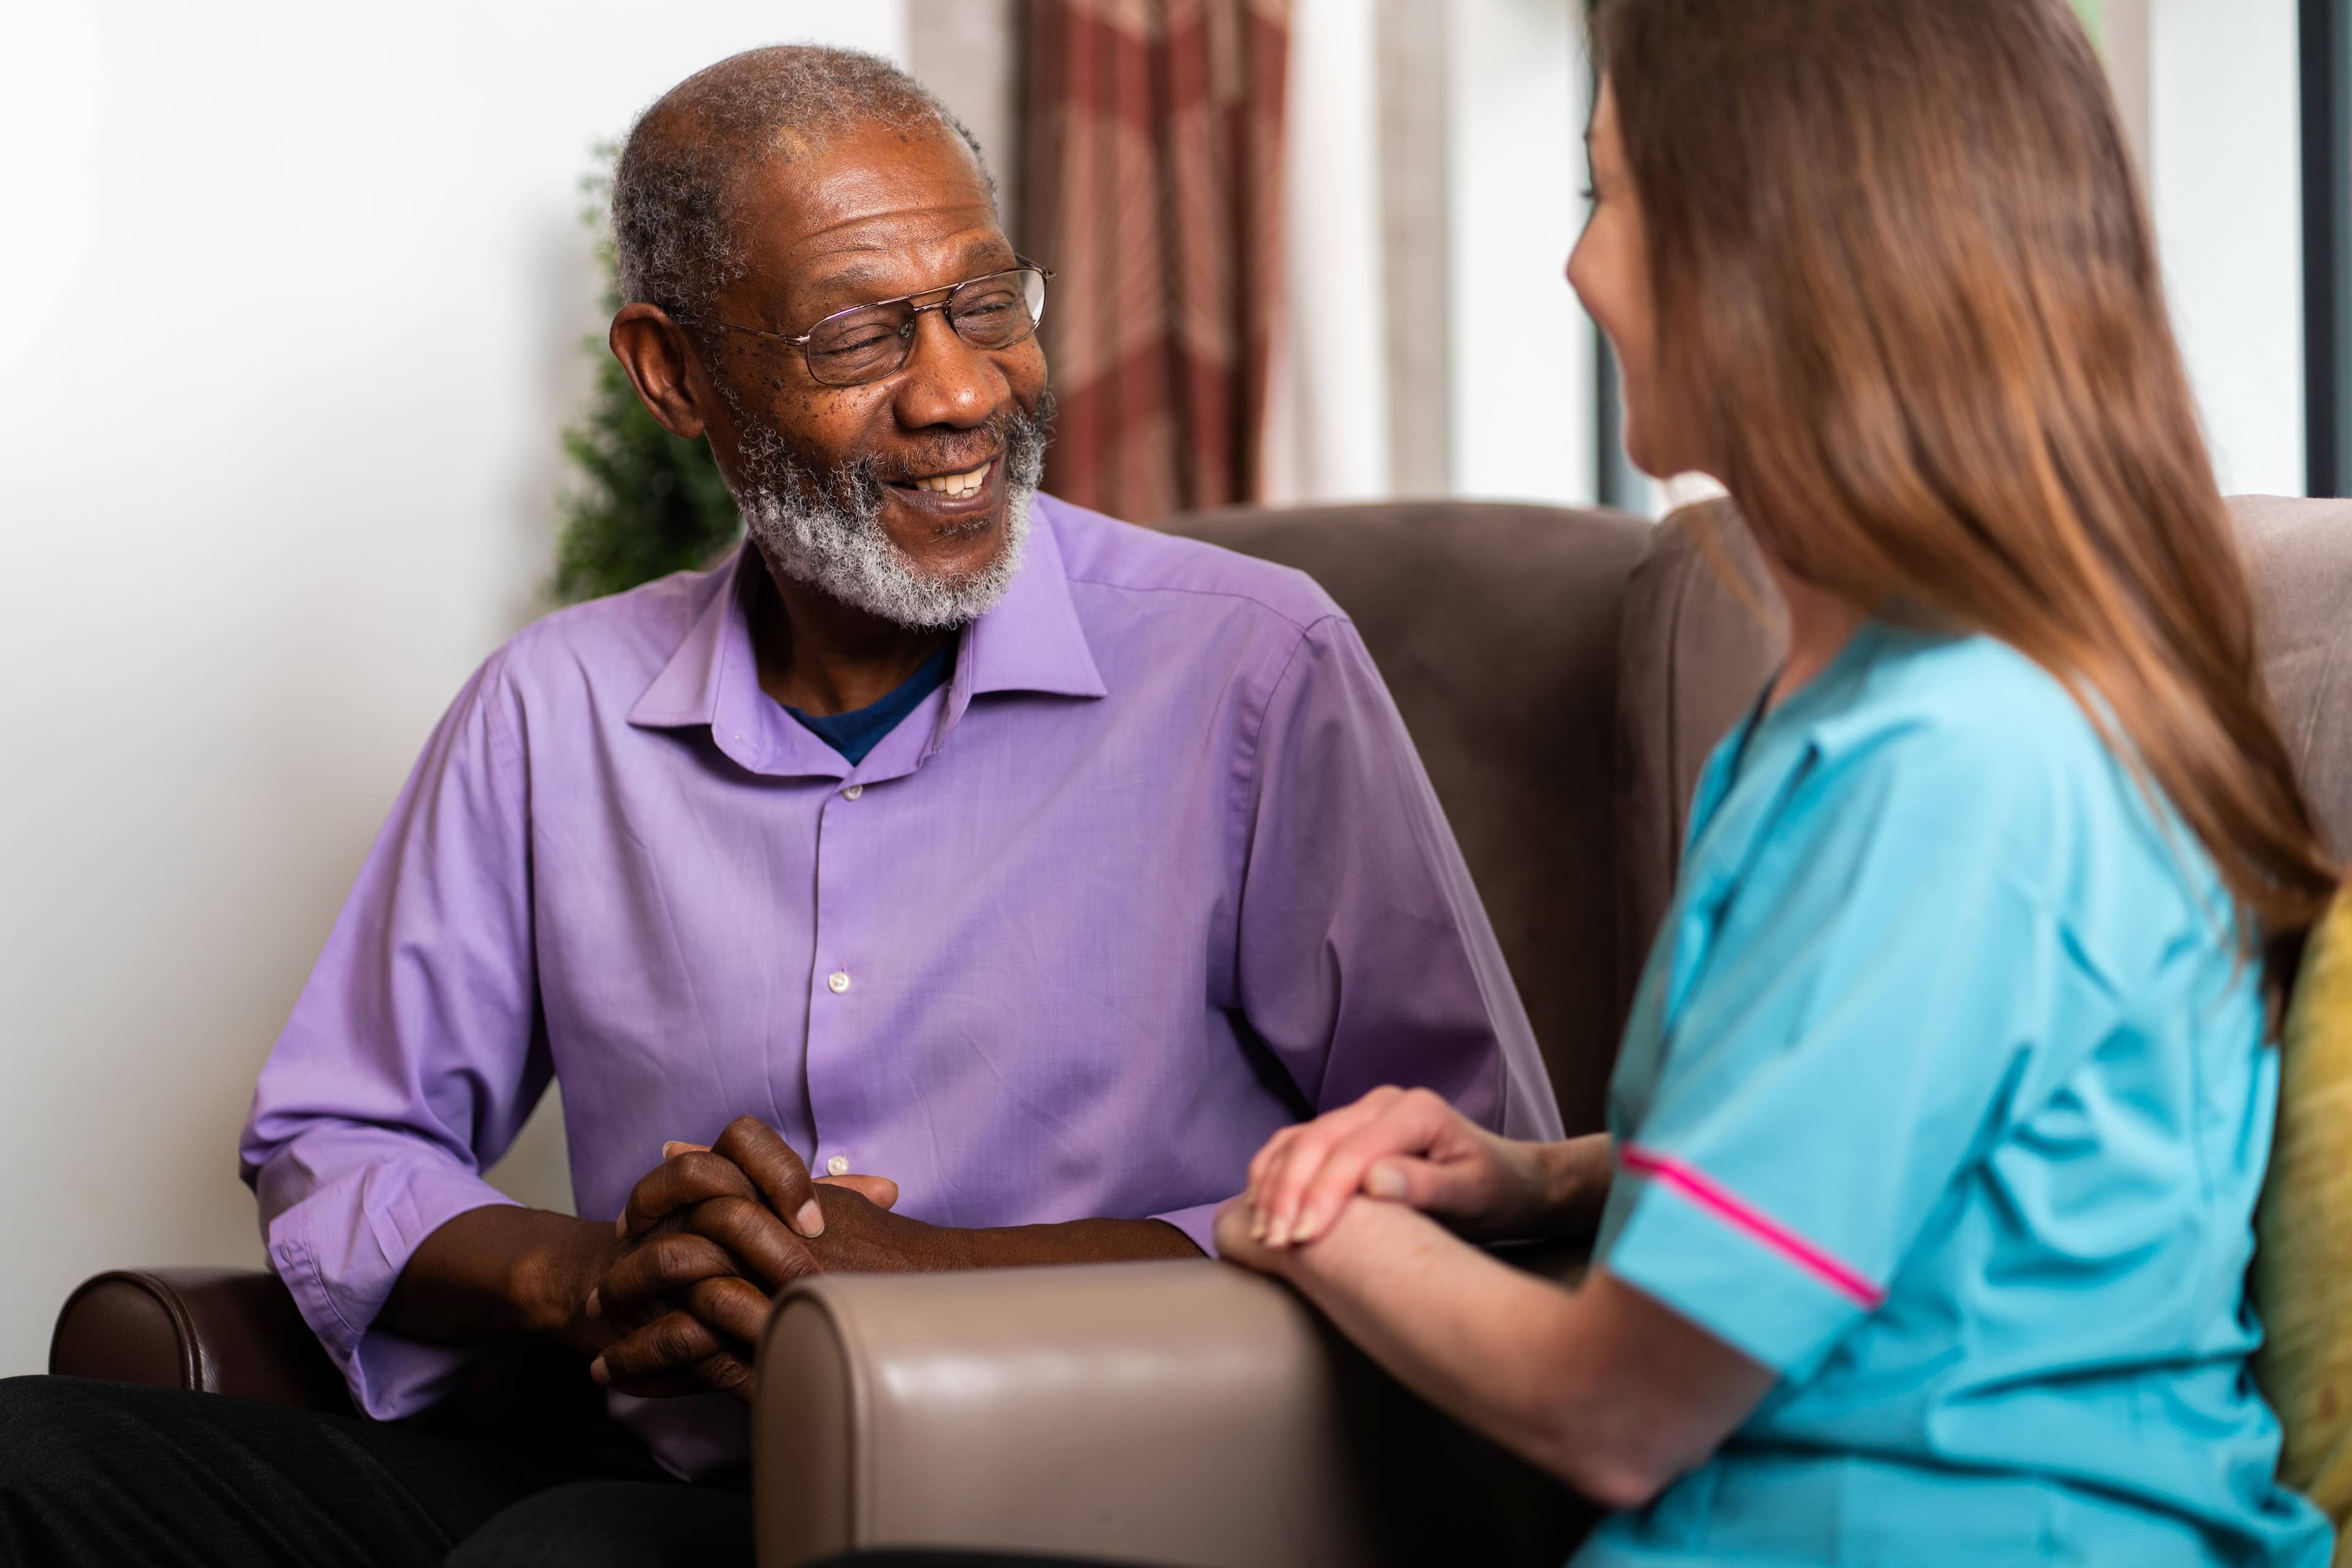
{"x":1577,"y":1172}
{"x":549,"y":1283}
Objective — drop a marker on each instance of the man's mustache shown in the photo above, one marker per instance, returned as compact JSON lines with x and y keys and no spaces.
{"x":1014,"y":431}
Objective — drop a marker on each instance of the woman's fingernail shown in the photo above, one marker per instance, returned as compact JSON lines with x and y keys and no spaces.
{"x":1385,"y":1182}
{"x":595,"y":1308}
{"x":1308,"y":1222}
{"x":810,"y":1221}
{"x":670,"y":1149}
{"x":621,"y":1227}
{"x":1278,"y":1233}
{"x":599,"y":1372}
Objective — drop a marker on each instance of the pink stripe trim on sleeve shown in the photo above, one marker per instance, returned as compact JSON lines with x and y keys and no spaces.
{"x":1736,"y":1212}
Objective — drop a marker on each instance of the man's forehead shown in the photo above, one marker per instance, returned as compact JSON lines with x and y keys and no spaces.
{"x":867,"y":210}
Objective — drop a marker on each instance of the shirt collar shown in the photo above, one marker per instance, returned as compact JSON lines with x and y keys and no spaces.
{"x":1030,"y":641}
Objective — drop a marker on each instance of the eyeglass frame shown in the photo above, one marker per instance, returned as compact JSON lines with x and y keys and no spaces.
{"x":914,"y":316}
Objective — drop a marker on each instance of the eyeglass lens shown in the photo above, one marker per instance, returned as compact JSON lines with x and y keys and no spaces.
{"x":867,"y":344}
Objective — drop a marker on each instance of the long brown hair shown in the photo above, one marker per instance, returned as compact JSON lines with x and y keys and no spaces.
{"x":1898,"y":249}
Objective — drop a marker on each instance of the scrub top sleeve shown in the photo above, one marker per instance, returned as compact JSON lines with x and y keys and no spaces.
{"x":1875,"y":991}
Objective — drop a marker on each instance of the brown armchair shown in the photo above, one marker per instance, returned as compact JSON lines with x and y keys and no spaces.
{"x":1564,"y":675}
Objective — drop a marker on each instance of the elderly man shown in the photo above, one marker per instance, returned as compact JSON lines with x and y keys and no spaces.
{"x":1017,"y":869}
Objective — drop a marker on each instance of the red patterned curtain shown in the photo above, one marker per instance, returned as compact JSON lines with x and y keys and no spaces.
{"x":1152,"y":187}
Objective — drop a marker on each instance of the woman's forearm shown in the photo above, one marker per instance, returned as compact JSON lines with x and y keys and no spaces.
{"x":1577,"y":1172}
{"x":1600,"y":1385}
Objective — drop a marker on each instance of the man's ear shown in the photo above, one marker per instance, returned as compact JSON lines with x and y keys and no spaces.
{"x":653,"y":351}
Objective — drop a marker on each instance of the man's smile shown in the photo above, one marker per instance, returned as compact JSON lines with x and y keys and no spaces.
{"x":957,"y":496}
{"x":955,"y":487}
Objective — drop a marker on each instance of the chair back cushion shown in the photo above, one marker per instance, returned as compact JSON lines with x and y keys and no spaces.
{"x":1565,"y":674}
{"x":2299,"y":555}
{"x":1495,"y":627}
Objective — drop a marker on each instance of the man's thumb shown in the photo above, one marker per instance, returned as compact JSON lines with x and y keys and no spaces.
{"x":879,"y":1191}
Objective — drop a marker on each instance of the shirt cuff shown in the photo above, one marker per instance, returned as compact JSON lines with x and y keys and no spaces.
{"x":1699,"y":1249}
{"x":341,"y":1251}
{"x":1199,"y":1222}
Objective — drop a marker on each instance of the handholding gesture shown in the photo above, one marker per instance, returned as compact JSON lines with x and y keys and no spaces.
{"x":1409,"y":1146}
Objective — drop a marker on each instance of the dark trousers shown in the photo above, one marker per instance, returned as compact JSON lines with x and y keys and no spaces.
{"x":107,"y":1473}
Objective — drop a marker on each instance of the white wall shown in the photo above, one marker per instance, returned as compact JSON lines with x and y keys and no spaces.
{"x":2225,"y":179}
{"x":1522,"y":402}
{"x":2208,"y":88}
{"x":294,"y":292}
{"x":1327,"y":427}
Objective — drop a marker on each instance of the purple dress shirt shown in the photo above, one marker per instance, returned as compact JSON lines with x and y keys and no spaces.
{"x":1155,"y":874}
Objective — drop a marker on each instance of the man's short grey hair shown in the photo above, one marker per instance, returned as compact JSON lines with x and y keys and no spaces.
{"x":676,"y":229}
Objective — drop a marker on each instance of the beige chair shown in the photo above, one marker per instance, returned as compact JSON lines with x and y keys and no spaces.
{"x":1564,"y":675}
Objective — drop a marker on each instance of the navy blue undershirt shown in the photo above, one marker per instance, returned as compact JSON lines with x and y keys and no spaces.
{"x":857,"y":731}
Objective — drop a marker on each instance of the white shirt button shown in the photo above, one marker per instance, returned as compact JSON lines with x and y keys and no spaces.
{"x":838,"y":1165}
{"x":852,"y":792}
{"x":838,"y":980}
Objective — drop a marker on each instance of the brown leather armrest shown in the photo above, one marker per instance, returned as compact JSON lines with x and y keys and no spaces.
{"x":220,"y":1330}
{"x":1168,"y":1412}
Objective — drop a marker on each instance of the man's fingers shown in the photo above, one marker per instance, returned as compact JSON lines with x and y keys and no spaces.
{"x":729,"y":1373}
{"x":671,"y":1385}
{"x":879,"y":1191}
{"x":680,"y":1183}
{"x":670,"y":1343}
{"x":735,"y":1307}
{"x":745,"y":1227}
{"x":761,"y":1154}
{"x":662,"y":1266}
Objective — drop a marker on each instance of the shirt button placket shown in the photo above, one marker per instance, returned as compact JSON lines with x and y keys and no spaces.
{"x":826,"y":1046}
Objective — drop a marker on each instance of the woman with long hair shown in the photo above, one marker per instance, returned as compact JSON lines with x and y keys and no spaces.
{"x":1924,"y":1211}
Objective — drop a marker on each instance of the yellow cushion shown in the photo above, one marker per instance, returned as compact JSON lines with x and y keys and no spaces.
{"x":2303,"y":1265}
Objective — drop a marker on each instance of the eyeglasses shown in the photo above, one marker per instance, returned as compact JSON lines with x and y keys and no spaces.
{"x":866,"y":342}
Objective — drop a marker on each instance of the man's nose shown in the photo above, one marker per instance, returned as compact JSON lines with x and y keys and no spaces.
{"x":947,"y":381}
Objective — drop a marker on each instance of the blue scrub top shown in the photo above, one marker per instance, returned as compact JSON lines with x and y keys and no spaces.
{"x":1945,"y":1097}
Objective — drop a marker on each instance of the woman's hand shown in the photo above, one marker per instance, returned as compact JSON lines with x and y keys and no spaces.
{"x":1405,"y":1145}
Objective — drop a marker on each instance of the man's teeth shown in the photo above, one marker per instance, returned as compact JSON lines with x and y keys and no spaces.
{"x":957,"y":486}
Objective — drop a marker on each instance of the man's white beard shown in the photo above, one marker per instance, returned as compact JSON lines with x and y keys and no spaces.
{"x":830,"y":535}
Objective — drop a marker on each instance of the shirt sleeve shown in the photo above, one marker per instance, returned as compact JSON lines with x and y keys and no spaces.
{"x":1364,"y":955}
{"x":1875,"y":1003}
{"x":412,"y":1056}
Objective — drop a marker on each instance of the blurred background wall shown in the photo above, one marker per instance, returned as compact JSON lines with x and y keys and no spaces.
{"x":296,"y":296}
